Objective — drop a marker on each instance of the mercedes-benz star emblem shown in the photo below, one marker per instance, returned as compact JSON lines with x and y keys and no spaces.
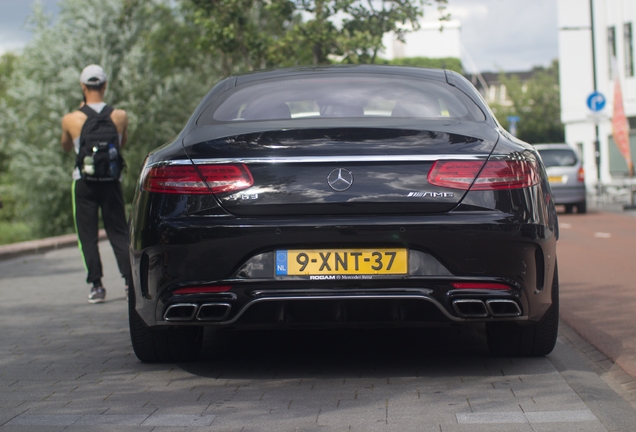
{"x":340,"y":179}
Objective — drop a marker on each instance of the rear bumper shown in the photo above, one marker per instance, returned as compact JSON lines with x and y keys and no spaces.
{"x":454,"y":247}
{"x":569,"y":195}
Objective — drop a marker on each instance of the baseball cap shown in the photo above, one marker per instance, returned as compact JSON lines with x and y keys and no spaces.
{"x":93,"y":75}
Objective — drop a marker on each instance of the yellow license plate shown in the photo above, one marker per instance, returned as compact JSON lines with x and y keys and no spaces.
{"x":312,"y":262}
{"x":555,"y":179}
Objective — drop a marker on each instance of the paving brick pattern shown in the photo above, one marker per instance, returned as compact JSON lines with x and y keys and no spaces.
{"x":68,"y":365}
{"x":619,"y":380}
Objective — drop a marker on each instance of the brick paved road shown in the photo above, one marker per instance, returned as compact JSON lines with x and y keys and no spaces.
{"x":68,"y":365}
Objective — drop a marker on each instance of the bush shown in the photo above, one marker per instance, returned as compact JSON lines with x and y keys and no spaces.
{"x":13,"y":232}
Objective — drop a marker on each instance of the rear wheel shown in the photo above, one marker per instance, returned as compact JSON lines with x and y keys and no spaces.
{"x":162,"y":345}
{"x":581,"y":207}
{"x":509,"y":339}
{"x":569,"y":208}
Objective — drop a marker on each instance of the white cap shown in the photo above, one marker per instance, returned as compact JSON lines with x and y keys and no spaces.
{"x":93,"y":75}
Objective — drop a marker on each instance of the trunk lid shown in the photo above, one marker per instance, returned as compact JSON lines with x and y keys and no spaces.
{"x":338,"y":171}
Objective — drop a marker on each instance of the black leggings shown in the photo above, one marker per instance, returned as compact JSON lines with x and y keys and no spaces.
{"x":88,"y":198}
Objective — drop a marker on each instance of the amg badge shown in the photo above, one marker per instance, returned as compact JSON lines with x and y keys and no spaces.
{"x":430,"y":195}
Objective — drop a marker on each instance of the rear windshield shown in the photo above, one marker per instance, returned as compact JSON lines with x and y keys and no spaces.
{"x":342,"y":96}
{"x":558,"y":157}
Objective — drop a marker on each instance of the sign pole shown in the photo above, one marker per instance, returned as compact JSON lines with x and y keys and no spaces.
{"x":596,"y":102}
{"x":597,"y":143}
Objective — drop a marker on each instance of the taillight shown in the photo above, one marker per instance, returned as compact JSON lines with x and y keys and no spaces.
{"x":203,"y":289}
{"x":480,"y":285}
{"x":199,"y":179}
{"x":581,"y":175}
{"x":495,"y":174}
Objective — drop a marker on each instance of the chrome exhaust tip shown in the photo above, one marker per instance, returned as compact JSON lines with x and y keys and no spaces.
{"x":503,"y":308}
{"x":470,"y":308}
{"x":213,"y":311}
{"x":180,"y":312}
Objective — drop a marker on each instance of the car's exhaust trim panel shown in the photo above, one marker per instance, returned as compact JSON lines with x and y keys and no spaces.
{"x":467,"y":309}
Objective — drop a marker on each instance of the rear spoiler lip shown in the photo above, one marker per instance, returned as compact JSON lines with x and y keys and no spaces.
{"x":201,"y":134}
{"x":323,"y":159}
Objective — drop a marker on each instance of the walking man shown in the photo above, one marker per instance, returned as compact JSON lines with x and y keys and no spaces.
{"x":97,"y":133}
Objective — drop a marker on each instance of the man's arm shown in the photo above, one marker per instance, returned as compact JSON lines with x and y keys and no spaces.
{"x":120,"y":118}
{"x":124,"y":135}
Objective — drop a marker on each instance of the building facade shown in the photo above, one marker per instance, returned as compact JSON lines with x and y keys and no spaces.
{"x":493,"y":90}
{"x":434,"y":39}
{"x":596,"y":46}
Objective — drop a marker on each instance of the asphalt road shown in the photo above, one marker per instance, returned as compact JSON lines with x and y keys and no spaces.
{"x":597,"y":266}
{"x":66,"y":365}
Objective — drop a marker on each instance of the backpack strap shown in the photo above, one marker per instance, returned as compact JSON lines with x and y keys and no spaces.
{"x":90,"y":112}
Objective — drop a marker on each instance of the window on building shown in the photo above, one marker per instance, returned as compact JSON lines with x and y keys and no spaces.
{"x":611,"y":48}
{"x":629,"y":49}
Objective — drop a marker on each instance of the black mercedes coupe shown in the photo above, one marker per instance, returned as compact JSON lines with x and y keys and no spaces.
{"x":339,"y":196}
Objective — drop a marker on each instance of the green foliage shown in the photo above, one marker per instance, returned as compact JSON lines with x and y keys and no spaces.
{"x":450,"y":63}
{"x":351,"y":30}
{"x":45,"y":85}
{"x":7,"y":65}
{"x":13,"y":232}
{"x":12,"y":229}
{"x":244,"y":34}
{"x":249,"y":34}
{"x":536,"y":103}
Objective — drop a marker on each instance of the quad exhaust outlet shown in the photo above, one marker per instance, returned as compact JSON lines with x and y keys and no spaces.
{"x":497,"y":308}
{"x":213,"y":311}
{"x":191,"y":311}
{"x":180,"y":312}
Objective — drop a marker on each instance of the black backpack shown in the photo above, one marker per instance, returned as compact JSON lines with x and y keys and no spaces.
{"x":99,"y":157}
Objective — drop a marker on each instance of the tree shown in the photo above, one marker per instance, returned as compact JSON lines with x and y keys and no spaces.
{"x":242,"y":33}
{"x":7,"y":65}
{"x":352,"y":30}
{"x":250,"y":34}
{"x":44,"y":85}
{"x":536,"y":103}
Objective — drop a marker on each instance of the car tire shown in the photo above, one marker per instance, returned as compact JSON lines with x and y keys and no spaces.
{"x":581,"y":207}
{"x":510,"y":339}
{"x":159,"y":344}
{"x":569,"y":208}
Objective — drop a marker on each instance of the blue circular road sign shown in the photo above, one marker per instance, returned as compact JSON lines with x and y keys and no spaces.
{"x":596,"y":101}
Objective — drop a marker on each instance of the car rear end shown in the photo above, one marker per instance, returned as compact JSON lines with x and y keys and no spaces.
{"x":337,"y":216}
{"x":566,"y":175}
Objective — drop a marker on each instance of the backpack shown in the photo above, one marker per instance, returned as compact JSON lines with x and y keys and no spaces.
{"x":99,"y":156}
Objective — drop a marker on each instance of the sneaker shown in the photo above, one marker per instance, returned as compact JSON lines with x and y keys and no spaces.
{"x":97,"y":295}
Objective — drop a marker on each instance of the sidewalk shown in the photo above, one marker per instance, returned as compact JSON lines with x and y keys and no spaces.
{"x":68,"y":365}
{"x":40,"y":246}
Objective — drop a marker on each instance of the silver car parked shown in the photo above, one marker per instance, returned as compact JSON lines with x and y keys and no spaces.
{"x":566,"y":175}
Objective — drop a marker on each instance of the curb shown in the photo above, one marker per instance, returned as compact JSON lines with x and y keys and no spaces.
{"x":14,"y":250}
{"x":612,"y":374}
